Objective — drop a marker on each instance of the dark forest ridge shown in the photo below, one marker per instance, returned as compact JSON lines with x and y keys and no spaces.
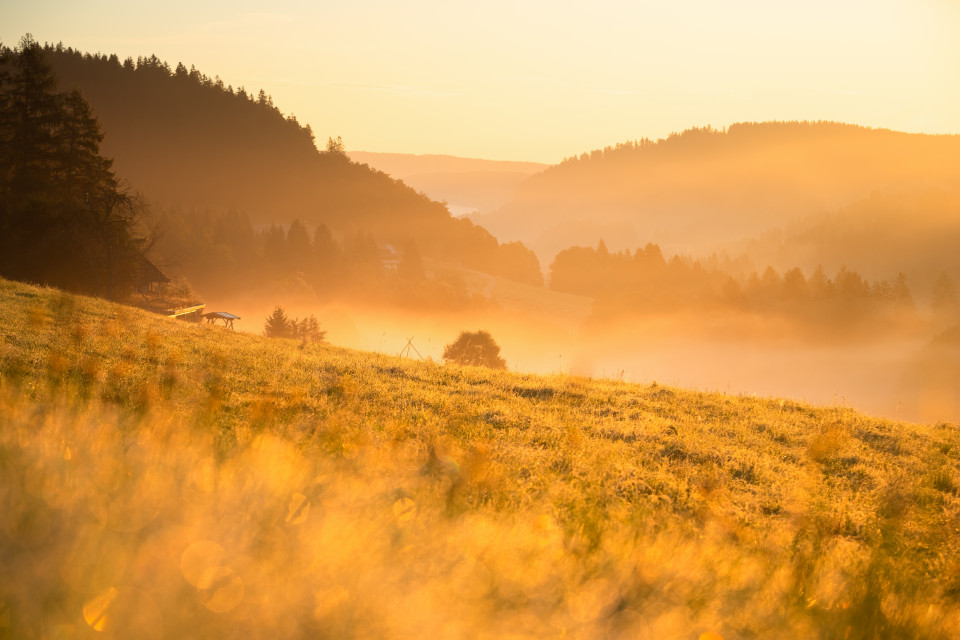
{"x":186,"y":140}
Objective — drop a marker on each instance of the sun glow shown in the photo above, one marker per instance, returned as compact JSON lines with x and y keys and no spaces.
{"x":542,"y":81}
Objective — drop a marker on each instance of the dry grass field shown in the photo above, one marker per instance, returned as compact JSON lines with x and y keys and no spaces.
{"x":166,"y":480}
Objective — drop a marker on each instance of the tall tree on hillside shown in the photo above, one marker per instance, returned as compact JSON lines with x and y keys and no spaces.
{"x":278,"y":325}
{"x":945,"y":301}
{"x":411,"y":263}
{"x":64,"y":219}
{"x":299,"y":251}
{"x":901,"y":293}
{"x":326,"y":257}
{"x":336,"y":147}
{"x":30,"y":111}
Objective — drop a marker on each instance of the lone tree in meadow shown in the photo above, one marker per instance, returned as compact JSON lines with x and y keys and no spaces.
{"x":475,"y":348}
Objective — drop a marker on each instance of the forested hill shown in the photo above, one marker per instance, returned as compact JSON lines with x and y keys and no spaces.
{"x":184,"y":139}
{"x":707,"y":185}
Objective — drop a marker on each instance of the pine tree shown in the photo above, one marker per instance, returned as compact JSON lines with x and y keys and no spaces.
{"x":28,"y":114}
{"x":298,"y":250}
{"x":65,"y":221}
{"x":278,"y":325}
{"x":411,"y":263}
{"x":944,"y":300}
{"x":901,"y":293}
{"x":336,"y":147}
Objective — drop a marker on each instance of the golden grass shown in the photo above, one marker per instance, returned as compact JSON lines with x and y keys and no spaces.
{"x":160,"y":479}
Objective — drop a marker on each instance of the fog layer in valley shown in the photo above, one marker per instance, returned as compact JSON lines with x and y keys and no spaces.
{"x":882,"y":375}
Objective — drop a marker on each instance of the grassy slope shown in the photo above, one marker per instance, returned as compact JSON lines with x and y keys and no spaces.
{"x":160,"y":479}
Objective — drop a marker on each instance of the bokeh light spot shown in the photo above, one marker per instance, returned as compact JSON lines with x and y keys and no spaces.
{"x":199,"y":558}
{"x":299,"y":509}
{"x":404,"y":509}
{"x":95,"y":611}
{"x":221,"y":590}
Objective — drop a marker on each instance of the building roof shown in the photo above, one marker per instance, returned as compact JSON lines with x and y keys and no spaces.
{"x":147,"y":272}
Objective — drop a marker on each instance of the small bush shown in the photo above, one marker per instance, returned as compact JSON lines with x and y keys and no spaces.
{"x":309,"y":330}
{"x":278,"y":325}
{"x":475,"y":348}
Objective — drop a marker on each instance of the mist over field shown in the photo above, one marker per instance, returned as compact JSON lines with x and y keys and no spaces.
{"x":881,"y":377}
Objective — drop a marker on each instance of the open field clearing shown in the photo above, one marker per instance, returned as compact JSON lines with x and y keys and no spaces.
{"x":167,"y":480}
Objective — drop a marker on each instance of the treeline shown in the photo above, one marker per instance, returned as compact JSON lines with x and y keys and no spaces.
{"x":147,"y":107}
{"x":64,"y":218}
{"x":224,"y":252}
{"x":918,"y":231}
{"x":646,"y":282}
{"x":739,"y":137}
{"x":187,"y":140}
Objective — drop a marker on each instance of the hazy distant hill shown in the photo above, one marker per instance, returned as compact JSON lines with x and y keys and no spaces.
{"x":466,"y":184}
{"x":915,"y":232}
{"x":184,"y":139}
{"x":708,"y":186}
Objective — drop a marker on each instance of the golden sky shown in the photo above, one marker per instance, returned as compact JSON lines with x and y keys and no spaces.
{"x":541,"y":79}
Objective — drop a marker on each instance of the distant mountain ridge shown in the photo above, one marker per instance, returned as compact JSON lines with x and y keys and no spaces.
{"x":187,"y":140}
{"x":399,"y":165}
{"x":467,"y":185}
{"x":709,"y":186}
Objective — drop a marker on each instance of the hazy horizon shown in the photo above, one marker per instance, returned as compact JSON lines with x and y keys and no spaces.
{"x":541,"y":82}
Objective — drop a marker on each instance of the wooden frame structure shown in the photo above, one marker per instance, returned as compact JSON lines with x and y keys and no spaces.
{"x":190,"y":314}
{"x":227,"y":318}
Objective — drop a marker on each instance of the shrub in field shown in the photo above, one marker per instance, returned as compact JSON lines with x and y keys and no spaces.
{"x":475,"y":348}
{"x":308,"y":329}
{"x":278,"y":325}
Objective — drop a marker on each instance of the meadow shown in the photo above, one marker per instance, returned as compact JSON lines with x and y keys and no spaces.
{"x":160,"y":479}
